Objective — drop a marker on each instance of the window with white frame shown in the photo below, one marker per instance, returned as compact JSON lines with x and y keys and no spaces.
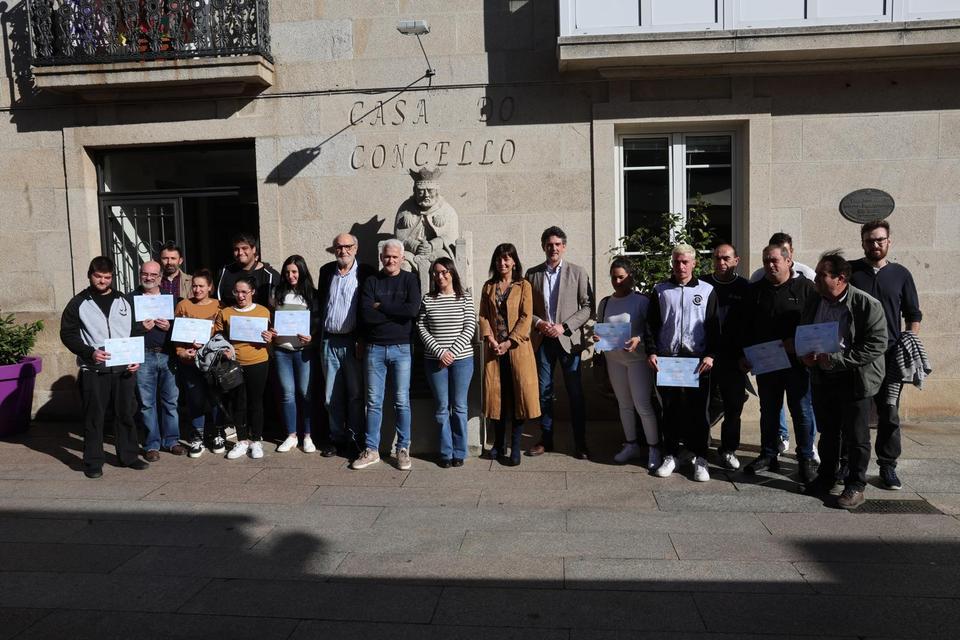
{"x":667,"y":172}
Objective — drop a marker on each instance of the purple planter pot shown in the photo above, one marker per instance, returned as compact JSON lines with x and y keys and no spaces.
{"x":16,"y":395}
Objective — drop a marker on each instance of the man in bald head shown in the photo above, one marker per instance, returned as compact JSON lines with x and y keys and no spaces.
{"x":339,"y":284}
{"x":156,"y":379}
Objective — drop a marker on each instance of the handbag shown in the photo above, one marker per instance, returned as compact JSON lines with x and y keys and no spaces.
{"x":225,"y":374}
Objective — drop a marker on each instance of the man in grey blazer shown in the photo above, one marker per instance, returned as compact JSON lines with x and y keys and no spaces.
{"x":562,"y":305}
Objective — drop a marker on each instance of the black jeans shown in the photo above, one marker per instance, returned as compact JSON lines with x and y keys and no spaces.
{"x":685,"y":418}
{"x":98,"y":392}
{"x":248,"y":402}
{"x":728,"y":388}
{"x":887,"y":445}
{"x":839,"y":414}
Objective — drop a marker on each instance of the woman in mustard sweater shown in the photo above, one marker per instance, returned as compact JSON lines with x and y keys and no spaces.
{"x":253,"y":357}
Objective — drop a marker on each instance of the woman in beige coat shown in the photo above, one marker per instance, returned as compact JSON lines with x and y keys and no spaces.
{"x":509,"y":366}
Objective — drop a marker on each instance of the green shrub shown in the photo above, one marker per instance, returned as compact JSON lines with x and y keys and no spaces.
{"x":648,"y":250}
{"x":17,"y":340}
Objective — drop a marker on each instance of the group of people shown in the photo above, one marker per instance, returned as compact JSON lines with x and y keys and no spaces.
{"x":364,"y":323}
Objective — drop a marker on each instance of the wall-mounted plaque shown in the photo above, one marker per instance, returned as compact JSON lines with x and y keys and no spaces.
{"x":864,"y":205}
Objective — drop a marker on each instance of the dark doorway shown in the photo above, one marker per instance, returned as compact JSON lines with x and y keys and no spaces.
{"x":196,"y":196}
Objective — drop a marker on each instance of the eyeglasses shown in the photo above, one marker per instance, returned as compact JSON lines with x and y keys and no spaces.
{"x":877,"y":241}
{"x":441,"y":273}
{"x":343,"y":247}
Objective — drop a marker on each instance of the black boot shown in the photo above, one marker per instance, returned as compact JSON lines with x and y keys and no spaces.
{"x":517,"y":435}
{"x":499,"y":431}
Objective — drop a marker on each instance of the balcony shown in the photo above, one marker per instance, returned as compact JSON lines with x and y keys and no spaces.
{"x":700,"y":37}
{"x":98,"y":48}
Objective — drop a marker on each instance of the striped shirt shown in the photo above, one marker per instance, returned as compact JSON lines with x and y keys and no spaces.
{"x":342,"y":304}
{"x":447,"y":323}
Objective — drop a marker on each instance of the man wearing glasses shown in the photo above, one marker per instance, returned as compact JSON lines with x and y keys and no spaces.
{"x":339,"y":284}
{"x":893,"y":286}
{"x":157,"y":380}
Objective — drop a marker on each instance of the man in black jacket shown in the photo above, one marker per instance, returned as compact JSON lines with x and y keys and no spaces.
{"x":389,"y":303}
{"x":339,"y":284}
{"x":772,"y":312}
{"x":93,"y":315}
{"x":246,"y":255}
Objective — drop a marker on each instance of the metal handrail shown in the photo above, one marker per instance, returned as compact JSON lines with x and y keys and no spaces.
{"x":103,"y":31}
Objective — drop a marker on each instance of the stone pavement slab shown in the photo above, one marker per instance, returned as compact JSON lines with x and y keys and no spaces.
{"x":533,"y":572}
{"x":878,"y":579}
{"x":948,"y":503}
{"x":113,"y":625}
{"x":312,"y":629}
{"x":476,"y":519}
{"x":752,"y":547}
{"x":550,"y":543}
{"x":397,"y":496}
{"x":319,"y":601}
{"x":97,"y":592}
{"x":284,"y":563}
{"x":603,"y":520}
{"x":13,"y":621}
{"x":571,"y":609}
{"x":841,"y":523}
{"x":63,"y":557}
{"x":632,"y":574}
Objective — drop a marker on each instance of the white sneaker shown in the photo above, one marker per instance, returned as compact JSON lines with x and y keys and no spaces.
{"x":630,"y":451}
{"x":238,"y":450}
{"x":784,"y":445}
{"x":729,"y":461}
{"x":816,"y":454}
{"x":308,"y":446}
{"x":700,"y":472}
{"x":256,"y":450}
{"x":665,"y":469}
{"x":289,"y":443}
{"x":654,"y":457}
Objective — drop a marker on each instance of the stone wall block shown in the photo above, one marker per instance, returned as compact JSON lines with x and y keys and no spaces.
{"x":794,"y":185}
{"x":312,"y":40}
{"x":559,"y":191}
{"x":343,"y":9}
{"x":871,"y":137}
{"x":948,"y":226}
{"x":787,"y":142}
{"x":950,"y":134}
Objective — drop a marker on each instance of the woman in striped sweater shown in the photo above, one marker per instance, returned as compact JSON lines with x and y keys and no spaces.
{"x":447,"y":324}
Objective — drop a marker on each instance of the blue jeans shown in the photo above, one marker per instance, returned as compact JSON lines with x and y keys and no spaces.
{"x":795,"y":382}
{"x":295,"y":373}
{"x":194,"y":388}
{"x":548,"y":354}
{"x":807,"y":408}
{"x":157,"y":382}
{"x":394,"y":359}
{"x":450,"y":386}
{"x":342,"y":386}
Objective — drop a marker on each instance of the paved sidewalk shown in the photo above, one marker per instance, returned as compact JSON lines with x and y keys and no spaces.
{"x":297,"y":546}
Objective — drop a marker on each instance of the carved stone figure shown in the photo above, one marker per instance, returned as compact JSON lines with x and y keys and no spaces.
{"x":427,"y":225}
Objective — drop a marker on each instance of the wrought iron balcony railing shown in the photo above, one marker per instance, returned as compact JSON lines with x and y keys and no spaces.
{"x":102,"y":31}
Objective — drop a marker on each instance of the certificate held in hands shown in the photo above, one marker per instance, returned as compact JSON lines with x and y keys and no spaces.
{"x":613,"y":335}
{"x":244,"y":329}
{"x":292,"y":323}
{"x":678,"y":372}
{"x":153,"y":307}
{"x":766,"y":357}
{"x":191,"y":330}
{"x":124,"y":351}
{"x":823,"y":337}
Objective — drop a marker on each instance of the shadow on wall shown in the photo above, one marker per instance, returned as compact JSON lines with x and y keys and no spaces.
{"x":231,"y":571}
{"x":63,"y":403}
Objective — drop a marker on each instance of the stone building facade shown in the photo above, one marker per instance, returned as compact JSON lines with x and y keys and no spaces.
{"x":534,"y":120}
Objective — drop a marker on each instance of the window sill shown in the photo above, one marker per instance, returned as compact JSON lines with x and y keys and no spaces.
{"x":756,"y":51}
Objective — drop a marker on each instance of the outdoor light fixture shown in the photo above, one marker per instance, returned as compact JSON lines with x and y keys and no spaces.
{"x":418,"y":28}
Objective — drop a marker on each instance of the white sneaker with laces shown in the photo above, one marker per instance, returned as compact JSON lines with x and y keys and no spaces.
{"x":654,"y":457}
{"x":308,"y":446}
{"x":784,"y":445}
{"x":729,"y":460}
{"x":666,"y":468}
{"x":238,"y":450}
{"x":289,"y":443}
{"x":700,"y":472}
{"x":630,"y":451}
{"x":256,"y":450}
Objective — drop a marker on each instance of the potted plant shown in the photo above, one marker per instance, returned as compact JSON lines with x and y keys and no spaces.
{"x":18,"y":372}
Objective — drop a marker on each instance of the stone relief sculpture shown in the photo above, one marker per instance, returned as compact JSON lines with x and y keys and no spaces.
{"x":427,"y":225}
